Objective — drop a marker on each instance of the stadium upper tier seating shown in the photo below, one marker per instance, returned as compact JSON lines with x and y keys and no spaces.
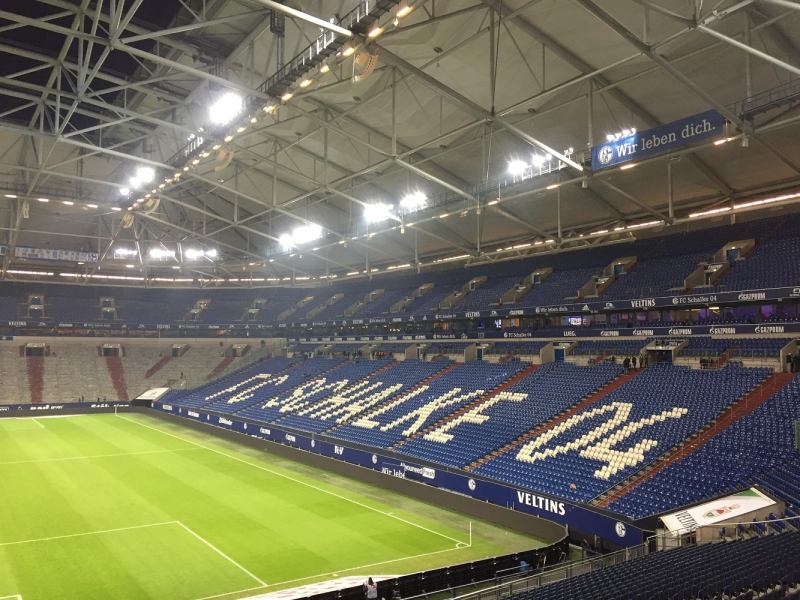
{"x":737,"y":570}
{"x":570,"y":431}
{"x":661,"y":267}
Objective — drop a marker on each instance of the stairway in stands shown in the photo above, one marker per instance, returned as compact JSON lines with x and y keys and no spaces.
{"x":563,"y":416}
{"x":511,"y":381}
{"x":117,"y":373}
{"x":741,"y":408}
{"x":220,"y":367}
{"x":35,"y":367}
{"x":157,"y":366}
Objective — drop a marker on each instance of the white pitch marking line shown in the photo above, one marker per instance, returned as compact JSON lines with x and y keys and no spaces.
{"x":39,"y":424}
{"x":222,"y":554}
{"x":13,"y":597}
{"x":74,"y":535}
{"x":334,"y":573}
{"x":90,"y":456}
{"x":324,"y":491}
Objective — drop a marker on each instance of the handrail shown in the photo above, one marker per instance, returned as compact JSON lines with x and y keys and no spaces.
{"x":572,"y":569}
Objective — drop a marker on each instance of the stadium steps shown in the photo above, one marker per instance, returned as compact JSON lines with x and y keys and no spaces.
{"x":115,"y":369}
{"x":741,"y":408}
{"x":157,"y":366}
{"x":592,"y":398}
{"x":35,"y":368}
{"x":513,"y":380}
{"x":220,"y":367}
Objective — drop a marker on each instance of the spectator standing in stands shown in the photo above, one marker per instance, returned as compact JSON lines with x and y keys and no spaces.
{"x":626,"y":364}
{"x":633,"y":362}
{"x":370,"y":590}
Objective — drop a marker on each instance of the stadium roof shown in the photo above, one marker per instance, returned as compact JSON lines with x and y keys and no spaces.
{"x":432,"y":106}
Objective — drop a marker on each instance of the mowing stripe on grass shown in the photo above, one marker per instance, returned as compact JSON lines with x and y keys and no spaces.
{"x":298,"y":481}
{"x":221,"y":553}
{"x":91,"y":456}
{"x":85,"y":533}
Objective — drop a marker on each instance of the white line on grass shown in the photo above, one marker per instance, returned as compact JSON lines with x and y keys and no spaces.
{"x":324,"y":491}
{"x":334,"y":573}
{"x":39,"y":424}
{"x":85,"y":533}
{"x":12,"y":597}
{"x":90,"y":456}
{"x":222,"y":554}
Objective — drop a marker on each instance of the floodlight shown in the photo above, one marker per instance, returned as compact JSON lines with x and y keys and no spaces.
{"x":414,"y":201}
{"x":145,"y":174}
{"x":516,"y":167}
{"x":226,"y":108}
{"x":375,"y":213}
{"x":161,"y":253}
{"x":124,"y":191}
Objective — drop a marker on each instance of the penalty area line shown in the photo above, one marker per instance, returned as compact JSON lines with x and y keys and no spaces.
{"x":298,"y":481}
{"x":335,"y":573}
{"x":84,"y":533}
{"x":197,"y":536}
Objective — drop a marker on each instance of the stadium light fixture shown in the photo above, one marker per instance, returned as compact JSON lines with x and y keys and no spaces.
{"x":10,"y":195}
{"x":198,"y":253}
{"x":414,"y":201}
{"x":145,"y":174}
{"x":306,"y":233}
{"x":324,"y":68}
{"x":378,"y":212}
{"x":516,"y":167}
{"x":226,"y":108}
{"x":375,"y":32}
{"x":286,"y":242}
{"x":348,"y":51}
{"x":45,"y":200}
{"x":306,"y":82}
{"x":538,"y":160}
{"x":161,"y":253}
{"x":404,"y":10}
{"x":124,"y":191}
{"x":67,"y":202}
{"x":299,"y":236}
{"x":287,"y":96}
{"x":123,"y":252}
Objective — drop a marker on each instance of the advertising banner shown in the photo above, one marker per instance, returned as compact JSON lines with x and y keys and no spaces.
{"x":721,"y":509}
{"x":658,"y":140}
{"x":584,"y":518}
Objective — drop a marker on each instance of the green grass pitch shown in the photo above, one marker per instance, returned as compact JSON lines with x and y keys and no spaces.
{"x":132,"y":507}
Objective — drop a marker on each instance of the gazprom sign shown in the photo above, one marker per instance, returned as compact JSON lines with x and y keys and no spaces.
{"x":658,"y":140}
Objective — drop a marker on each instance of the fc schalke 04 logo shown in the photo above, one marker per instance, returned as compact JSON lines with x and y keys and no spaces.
{"x":620,"y":529}
{"x":606,"y":154}
{"x":471,"y":484}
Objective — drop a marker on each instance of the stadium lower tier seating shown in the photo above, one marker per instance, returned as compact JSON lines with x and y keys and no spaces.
{"x":542,"y":395}
{"x":735,"y":458}
{"x":764,"y":567}
{"x":608,"y":441}
{"x":570,"y":431}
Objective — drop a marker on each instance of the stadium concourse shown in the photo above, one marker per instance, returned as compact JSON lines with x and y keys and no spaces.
{"x":496,"y":298}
